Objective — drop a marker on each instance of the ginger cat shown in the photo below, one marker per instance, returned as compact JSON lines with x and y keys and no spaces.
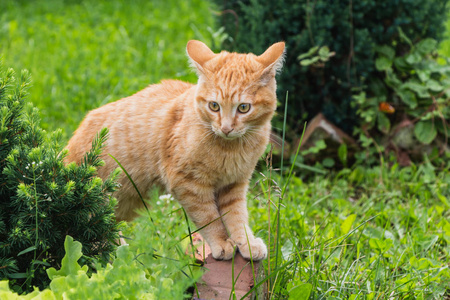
{"x":199,"y":142}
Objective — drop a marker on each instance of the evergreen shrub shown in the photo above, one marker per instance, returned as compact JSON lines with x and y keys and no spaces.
{"x":41,"y":199}
{"x":152,"y":266}
{"x":351,"y":29}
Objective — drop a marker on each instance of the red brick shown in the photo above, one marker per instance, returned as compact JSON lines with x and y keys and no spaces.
{"x":217,"y":282}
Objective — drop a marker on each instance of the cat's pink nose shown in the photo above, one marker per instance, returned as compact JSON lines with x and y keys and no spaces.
{"x":227,"y":130}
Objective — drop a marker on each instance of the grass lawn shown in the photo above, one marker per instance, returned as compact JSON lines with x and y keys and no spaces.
{"x":378,"y":233}
{"x":361,"y":233}
{"x":83,"y":54}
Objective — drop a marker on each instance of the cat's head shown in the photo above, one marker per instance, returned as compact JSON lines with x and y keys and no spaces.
{"x":236,"y":93}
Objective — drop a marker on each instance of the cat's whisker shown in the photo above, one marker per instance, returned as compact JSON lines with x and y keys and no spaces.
{"x":276,"y":143}
{"x":206,"y":136}
{"x":247,"y":141}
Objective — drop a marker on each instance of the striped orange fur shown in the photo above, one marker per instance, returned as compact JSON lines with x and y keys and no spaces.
{"x":199,"y":142}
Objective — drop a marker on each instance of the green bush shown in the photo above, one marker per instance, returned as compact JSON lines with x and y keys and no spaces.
{"x":153,"y":266}
{"x":352,"y":29}
{"x":41,"y":199}
{"x":408,"y":112}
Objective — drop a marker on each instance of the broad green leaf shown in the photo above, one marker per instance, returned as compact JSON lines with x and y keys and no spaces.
{"x":29,"y":249}
{"x":387,"y":51}
{"x":425,"y":131}
{"x":445,"y":226}
{"x":380,"y":245}
{"x":300,"y":292}
{"x":4,"y":286}
{"x":328,"y":162}
{"x":309,"y":53}
{"x":324,"y":51}
{"x":347,"y":224}
{"x":7,"y":294}
{"x":413,"y":58}
{"x":401,"y":64}
{"x":392,"y":79}
{"x":319,"y":145}
{"x":408,"y":97}
{"x":384,"y":125}
{"x":405,"y":283}
{"x":424,"y":75}
{"x":416,"y":87}
{"x":69,"y":264}
{"x":383,"y":63}
{"x":419,"y":264}
{"x":445,"y":82}
{"x":443,"y":199}
{"x":420,"y":296}
{"x":309,"y":61}
{"x":426,"y":46}
{"x":41,"y":295}
{"x":434,"y":85}
{"x":342,"y":153}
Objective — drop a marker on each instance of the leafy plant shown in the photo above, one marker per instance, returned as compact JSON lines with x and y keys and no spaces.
{"x":132,"y":275}
{"x":41,"y":199}
{"x":410,"y":108}
{"x":316,"y":56}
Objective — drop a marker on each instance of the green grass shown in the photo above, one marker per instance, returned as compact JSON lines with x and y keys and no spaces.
{"x":358,"y":234}
{"x":83,"y":54}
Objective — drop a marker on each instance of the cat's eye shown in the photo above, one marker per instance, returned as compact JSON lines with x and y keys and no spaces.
{"x":214,"y":106}
{"x":244,"y":108}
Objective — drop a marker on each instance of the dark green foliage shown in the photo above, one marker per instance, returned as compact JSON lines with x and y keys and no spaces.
{"x":417,"y":89}
{"x":352,"y":29}
{"x":41,"y":199}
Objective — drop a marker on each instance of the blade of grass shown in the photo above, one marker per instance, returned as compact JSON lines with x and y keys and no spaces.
{"x":283,"y":191}
{"x":281,"y":178}
{"x":132,"y":182}
{"x":190,"y":235}
{"x":293,"y":163}
{"x":284,"y":135}
{"x":233,"y":292}
{"x":192,"y":247}
{"x":251,"y":257}
{"x":265,"y":279}
{"x":355,"y":261}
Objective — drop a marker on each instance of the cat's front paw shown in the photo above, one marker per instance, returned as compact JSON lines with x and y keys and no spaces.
{"x":223,"y":249}
{"x":257,"y":247}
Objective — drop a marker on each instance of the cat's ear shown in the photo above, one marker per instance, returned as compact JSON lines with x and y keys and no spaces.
{"x":199,"y":54}
{"x":272,"y":60}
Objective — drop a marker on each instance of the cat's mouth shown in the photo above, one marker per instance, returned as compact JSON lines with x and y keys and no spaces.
{"x":231,"y":136}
